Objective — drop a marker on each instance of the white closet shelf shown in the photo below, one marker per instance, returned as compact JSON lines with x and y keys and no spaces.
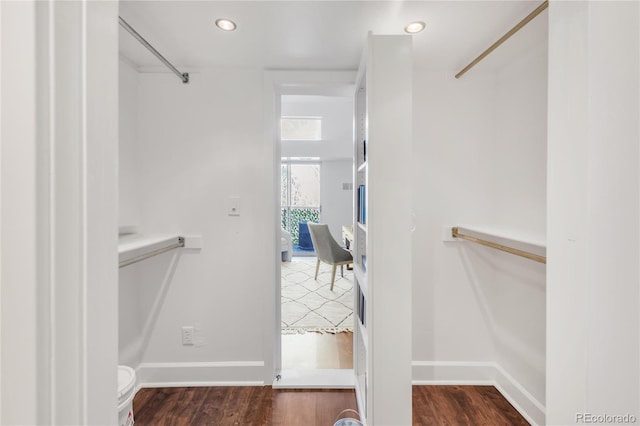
{"x":136,"y":247}
{"x":361,"y":276}
{"x":515,"y":242}
{"x":516,"y":236}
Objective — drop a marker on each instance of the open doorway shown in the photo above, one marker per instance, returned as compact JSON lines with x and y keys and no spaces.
{"x":316,"y":186}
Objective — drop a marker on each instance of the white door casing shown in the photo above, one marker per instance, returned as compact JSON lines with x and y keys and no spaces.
{"x":58,"y":219}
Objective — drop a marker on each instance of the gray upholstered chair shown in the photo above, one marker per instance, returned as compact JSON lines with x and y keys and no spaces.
{"x":328,"y":250}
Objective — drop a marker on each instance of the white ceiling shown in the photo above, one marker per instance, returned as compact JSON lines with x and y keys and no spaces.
{"x":317,"y":35}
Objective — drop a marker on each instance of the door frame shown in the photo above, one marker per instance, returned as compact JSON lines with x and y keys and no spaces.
{"x":58,"y":212}
{"x":276,"y":84}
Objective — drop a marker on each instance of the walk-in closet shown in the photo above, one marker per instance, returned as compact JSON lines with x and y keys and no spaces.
{"x":494,"y":194}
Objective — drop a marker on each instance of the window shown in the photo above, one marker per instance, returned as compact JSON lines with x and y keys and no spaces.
{"x":301,"y":128}
{"x":300,"y":199}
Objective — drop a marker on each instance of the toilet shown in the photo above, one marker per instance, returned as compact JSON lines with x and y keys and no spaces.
{"x":126,"y":392}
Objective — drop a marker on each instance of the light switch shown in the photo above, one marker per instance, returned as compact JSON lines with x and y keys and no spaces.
{"x":233,"y":206}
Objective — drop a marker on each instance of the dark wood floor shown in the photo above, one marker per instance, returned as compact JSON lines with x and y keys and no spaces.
{"x":255,"y":406}
{"x":462,"y":405}
{"x":226,"y":406}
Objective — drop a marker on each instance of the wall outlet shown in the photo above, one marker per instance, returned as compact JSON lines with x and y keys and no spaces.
{"x":188,"y":336}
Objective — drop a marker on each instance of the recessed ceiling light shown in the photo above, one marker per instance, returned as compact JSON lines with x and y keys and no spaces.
{"x":225,"y":24}
{"x":414,"y":27}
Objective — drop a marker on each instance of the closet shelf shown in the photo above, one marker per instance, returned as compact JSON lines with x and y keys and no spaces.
{"x":134,"y":248}
{"x":517,"y":243}
{"x":361,"y":277}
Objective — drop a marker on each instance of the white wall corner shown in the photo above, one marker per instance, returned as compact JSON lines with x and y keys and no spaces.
{"x":531,"y":409}
{"x":480,"y":373}
{"x":453,"y":372}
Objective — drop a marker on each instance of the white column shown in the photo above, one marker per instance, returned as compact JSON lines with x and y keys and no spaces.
{"x":19,"y":363}
{"x":593,"y":330}
{"x":59,"y":212}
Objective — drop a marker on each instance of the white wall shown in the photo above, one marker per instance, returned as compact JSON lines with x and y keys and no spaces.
{"x":519,"y":202}
{"x":593,"y":333}
{"x":480,"y":159}
{"x":450,"y":186}
{"x":337,"y":203}
{"x":128,"y":161}
{"x":21,"y":386}
{"x":129,"y":317}
{"x":337,"y":126}
{"x":198,"y":144}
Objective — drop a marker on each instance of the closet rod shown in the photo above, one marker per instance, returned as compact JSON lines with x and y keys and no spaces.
{"x":531,"y":256}
{"x":142,"y":257}
{"x":183,"y":76}
{"x":505,"y":37}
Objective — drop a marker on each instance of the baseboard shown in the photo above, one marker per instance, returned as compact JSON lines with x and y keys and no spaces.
{"x":453,"y":373}
{"x":476,"y":374}
{"x":190,"y":374}
{"x":531,"y":409}
{"x":315,"y":379}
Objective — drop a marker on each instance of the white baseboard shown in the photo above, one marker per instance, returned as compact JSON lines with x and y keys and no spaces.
{"x":189,"y":374}
{"x":453,"y":373}
{"x":531,"y":409}
{"x":480,"y":373}
{"x":315,"y":379}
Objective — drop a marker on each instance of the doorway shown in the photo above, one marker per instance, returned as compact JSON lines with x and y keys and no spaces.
{"x":316,"y":174}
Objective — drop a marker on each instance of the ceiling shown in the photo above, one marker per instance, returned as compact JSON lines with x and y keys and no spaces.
{"x":318,"y":35}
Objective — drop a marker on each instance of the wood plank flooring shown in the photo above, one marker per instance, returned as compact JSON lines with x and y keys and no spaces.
{"x":312,"y":351}
{"x":250,"y":406}
{"x":463,"y":405}
{"x":255,"y":406}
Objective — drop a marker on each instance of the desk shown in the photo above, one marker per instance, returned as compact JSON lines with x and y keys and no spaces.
{"x":347,"y":236}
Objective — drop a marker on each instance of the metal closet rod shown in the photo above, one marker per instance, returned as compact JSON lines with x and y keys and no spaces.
{"x":184,"y":76}
{"x":535,"y":257}
{"x":505,"y":37}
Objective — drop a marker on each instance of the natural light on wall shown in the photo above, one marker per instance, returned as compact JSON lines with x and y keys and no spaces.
{"x":301,"y":128}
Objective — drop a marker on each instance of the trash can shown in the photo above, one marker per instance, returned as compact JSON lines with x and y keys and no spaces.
{"x":347,"y":421}
{"x":126,"y":392}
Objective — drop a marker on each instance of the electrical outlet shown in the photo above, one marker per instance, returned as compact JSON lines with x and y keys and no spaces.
{"x":187,"y":335}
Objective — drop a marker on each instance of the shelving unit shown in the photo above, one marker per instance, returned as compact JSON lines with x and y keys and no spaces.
{"x":382,"y":239}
